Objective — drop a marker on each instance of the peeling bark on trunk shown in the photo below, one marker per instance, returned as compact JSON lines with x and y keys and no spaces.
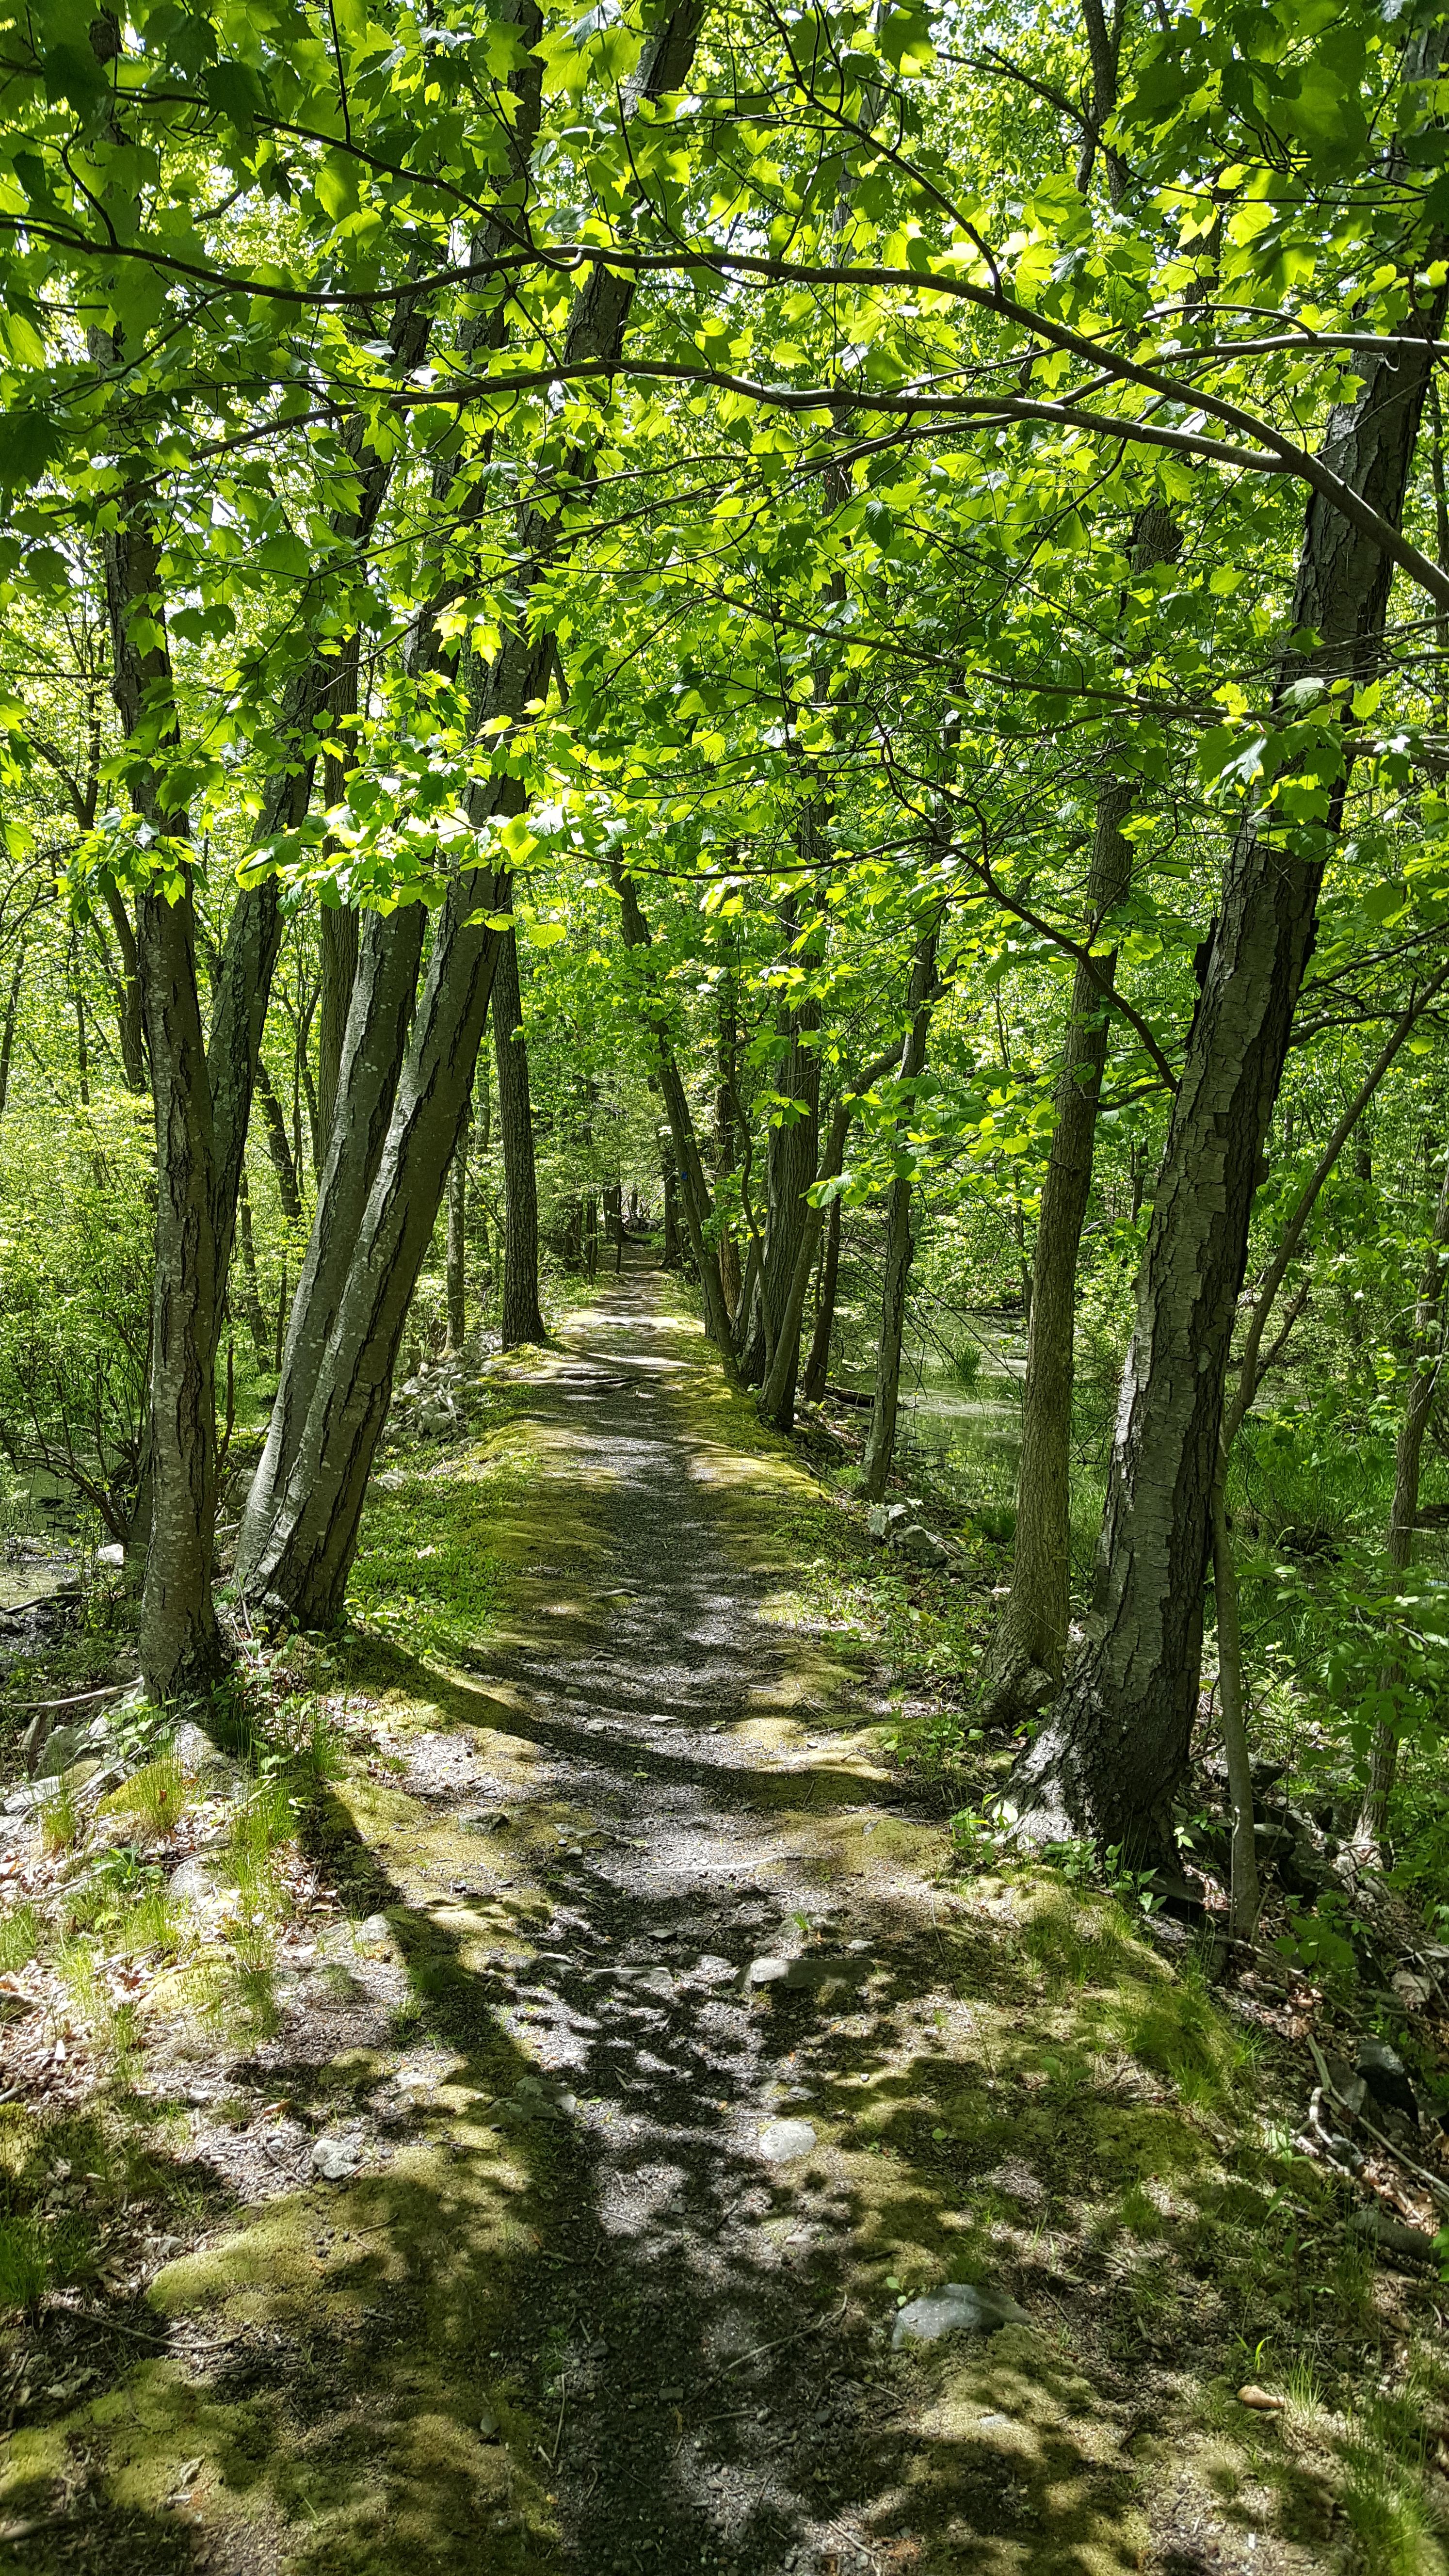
{"x":521,"y":1319}
{"x":900,"y":1247}
{"x":1109,"y":1759}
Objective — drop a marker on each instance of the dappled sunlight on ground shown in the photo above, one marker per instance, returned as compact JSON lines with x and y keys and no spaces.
{"x":568,"y":2313}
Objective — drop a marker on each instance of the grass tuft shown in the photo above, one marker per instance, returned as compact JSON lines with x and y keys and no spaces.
{"x":19,"y":1938}
{"x":155,"y":1795}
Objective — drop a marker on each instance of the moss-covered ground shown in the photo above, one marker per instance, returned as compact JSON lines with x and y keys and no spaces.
{"x":618,"y":1711}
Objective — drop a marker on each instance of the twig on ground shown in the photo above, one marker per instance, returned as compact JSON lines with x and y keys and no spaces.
{"x":802,"y":2332}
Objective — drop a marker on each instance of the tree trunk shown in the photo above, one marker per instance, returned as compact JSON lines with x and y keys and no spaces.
{"x":521,"y":1320}
{"x":1109,"y":1760}
{"x":1428,"y":1361}
{"x":777,"y":1396}
{"x":279,"y":1145}
{"x":7,"y":1035}
{"x":338,"y":935}
{"x":1029,"y":1648}
{"x":792,"y":1157}
{"x":82,"y":1052}
{"x":817,"y":1367}
{"x":1245,"y":1897}
{"x":130,"y":1022}
{"x":693,"y":1187}
{"x":671,"y":1208}
{"x":304,"y":1529}
{"x":727,"y":1054}
{"x":251,"y":1298}
{"x":373,"y":1050}
{"x":299,"y":1562}
{"x":458,"y":1242}
{"x":179,"y":1639}
{"x":900,"y":1249}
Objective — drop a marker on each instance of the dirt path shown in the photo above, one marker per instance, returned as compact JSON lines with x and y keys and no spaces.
{"x":578,"y":2301}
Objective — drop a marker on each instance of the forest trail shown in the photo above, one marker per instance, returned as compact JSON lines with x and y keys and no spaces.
{"x":564,"y":2309}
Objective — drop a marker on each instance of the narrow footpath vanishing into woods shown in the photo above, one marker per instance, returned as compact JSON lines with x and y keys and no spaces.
{"x":679,"y":2069}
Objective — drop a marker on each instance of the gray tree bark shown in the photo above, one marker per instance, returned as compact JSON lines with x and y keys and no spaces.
{"x":458,"y":1241}
{"x":1029,"y":1647}
{"x":179,"y":1639}
{"x":130,"y":1023}
{"x":900,"y":1246}
{"x":521,"y":1319}
{"x":337,"y":932}
{"x":694,"y":1189}
{"x":374,"y":1045}
{"x":777,"y":1396}
{"x":7,"y":1034}
{"x":1109,"y":1759}
{"x":817,"y":1366}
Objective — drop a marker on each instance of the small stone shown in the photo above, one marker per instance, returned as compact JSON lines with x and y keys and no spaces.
{"x":374,"y":1933}
{"x":112,"y":1556}
{"x":335,"y":2158}
{"x":1260,"y":2400}
{"x":781,"y":2141}
{"x":767,"y":1972}
{"x":488,"y":2426}
{"x":958,"y":2307}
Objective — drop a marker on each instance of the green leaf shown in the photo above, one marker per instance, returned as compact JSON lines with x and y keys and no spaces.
{"x":29,"y":442}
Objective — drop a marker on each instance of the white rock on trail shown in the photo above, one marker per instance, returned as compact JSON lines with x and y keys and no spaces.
{"x":781,"y":2141}
{"x":958,"y":2307}
{"x":336,"y":2158}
